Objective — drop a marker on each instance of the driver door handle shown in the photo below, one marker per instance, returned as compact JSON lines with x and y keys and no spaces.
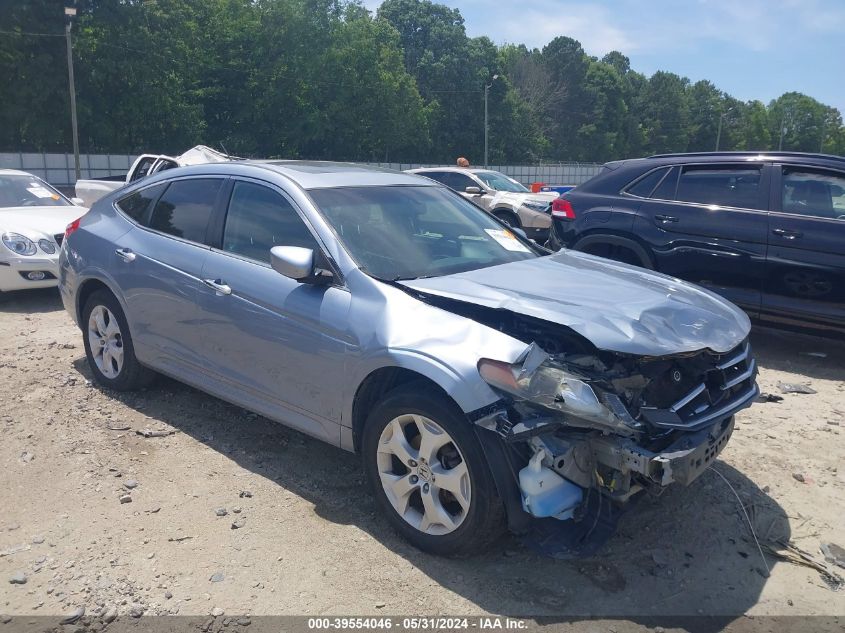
{"x":665,"y":219}
{"x":125,"y":254}
{"x":218,"y":285}
{"x":786,"y":234}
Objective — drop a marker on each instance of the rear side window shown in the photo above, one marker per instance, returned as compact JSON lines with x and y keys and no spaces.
{"x":643,"y":187}
{"x":259,"y":219}
{"x":184,"y":210}
{"x":439,"y":176}
{"x":727,"y":187}
{"x":137,"y":205}
{"x":815,"y":193}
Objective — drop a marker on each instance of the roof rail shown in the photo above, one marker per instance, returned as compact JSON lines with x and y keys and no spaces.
{"x":757,"y":153}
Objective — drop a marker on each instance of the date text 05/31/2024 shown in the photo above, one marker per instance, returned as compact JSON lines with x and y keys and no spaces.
{"x":418,"y":623}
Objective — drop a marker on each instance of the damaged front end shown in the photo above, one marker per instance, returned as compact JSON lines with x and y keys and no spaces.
{"x":614,"y":423}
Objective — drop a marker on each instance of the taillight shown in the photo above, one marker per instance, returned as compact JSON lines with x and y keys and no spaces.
{"x":562,"y":209}
{"x":71,"y":228}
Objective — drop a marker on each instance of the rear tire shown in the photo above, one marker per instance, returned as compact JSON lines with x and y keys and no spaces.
{"x":108,"y":345}
{"x":417,"y":448}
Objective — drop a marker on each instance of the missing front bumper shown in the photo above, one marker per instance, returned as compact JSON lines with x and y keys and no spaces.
{"x":681,"y":462}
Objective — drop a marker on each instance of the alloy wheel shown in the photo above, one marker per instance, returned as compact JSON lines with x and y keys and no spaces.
{"x":423,"y":474}
{"x":106,"y":341}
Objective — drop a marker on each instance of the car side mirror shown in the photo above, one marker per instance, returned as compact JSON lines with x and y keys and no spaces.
{"x":297,"y":263}
{"x":79,"y":202}
{"x":473,"y":190}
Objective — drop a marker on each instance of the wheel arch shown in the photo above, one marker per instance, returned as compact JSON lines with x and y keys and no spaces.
{"x":509,"y":212}
{"x":90,"y":286}
{"x":638,"y":248}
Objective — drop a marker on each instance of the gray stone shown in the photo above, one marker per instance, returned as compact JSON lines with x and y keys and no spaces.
{"x":238,"y":524}
{"x":221,"y":512}
{"x":217,"y":612}
{"x":125,"y":498}
{"x":129,"y":484}
{"x":18,"y":578}
{"x":72,"y":617}
{"x":109,"y":615}
{"x":217,"y":577}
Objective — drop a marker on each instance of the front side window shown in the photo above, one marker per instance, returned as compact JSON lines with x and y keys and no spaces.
{"x":184,"y":210}
{"x":814,"y":193}
{"x":137,"y":204}
{"x":460,"y":182}
{"x":259,"y":219}
{"x":722,"y":186}
{"x":500,"y":182}
{"x":412,"y":232}
{"x":18,"y":190}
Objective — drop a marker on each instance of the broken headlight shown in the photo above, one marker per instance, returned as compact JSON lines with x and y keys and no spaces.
{"x":538,"y":379}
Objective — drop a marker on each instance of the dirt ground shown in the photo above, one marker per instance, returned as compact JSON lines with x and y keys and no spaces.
{"x":310,"y":540}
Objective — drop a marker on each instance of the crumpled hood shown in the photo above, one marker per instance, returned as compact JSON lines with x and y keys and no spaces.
{"x":38,"y":222}
{"x":615,"y":306}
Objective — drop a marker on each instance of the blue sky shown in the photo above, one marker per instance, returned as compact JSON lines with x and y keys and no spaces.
{"x":751,"y":49}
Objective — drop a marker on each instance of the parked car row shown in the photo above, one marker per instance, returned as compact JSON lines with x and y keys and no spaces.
{"x":486,"y":383}
{"x":765,"y":231}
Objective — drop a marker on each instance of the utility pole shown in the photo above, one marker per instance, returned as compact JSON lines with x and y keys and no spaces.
{"x":719,"y":131}
{"x":821,"y":141}
{"x":70,"y":13}
{"x":486,"y":126}
{"x":783,"y":127}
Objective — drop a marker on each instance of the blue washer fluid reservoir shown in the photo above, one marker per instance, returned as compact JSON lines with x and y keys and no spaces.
{"x":545,"y":493}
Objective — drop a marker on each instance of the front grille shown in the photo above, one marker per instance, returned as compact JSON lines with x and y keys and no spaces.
{"x":725,"y":386}
{"x":59,"y":237}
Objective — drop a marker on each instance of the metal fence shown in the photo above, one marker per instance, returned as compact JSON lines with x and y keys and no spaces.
{"x":58,"y":169}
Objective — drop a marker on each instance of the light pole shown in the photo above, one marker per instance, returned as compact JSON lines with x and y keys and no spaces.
{"x":719,"y":131}
{"x":70,"y":13}
{"x":486,"y":126}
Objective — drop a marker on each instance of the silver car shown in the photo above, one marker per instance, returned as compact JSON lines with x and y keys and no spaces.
{"x":486,"y":384}
{"x":501,"y":195}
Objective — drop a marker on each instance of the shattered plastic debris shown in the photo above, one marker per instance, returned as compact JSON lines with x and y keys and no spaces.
{"x":769,"y":397}
{"x":152,"y":433}
{"x":792,"y":387}
{"x":833,"y":554}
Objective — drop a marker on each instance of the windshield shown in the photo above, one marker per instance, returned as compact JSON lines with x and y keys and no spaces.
{"x":17,"y":190}
{"x":500,"y":182}
{"x":411,"y":232}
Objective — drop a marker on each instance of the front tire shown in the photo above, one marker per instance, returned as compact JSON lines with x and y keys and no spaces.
{"x":108,"y":345}
{"x":428,"y":473}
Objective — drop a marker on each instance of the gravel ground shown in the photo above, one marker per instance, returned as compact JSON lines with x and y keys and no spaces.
{"x":234,"y":514}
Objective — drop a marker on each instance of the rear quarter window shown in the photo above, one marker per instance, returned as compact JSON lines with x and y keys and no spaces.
{"x":137,"y":205}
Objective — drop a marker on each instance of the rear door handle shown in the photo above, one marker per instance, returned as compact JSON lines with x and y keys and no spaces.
{"x":786,"y":234}
{"x":665,"y":219}
{"x":218,"y":285}
{"x":125,"y":254}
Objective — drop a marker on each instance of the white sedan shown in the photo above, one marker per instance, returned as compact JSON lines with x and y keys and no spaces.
{"x":33,"y":218}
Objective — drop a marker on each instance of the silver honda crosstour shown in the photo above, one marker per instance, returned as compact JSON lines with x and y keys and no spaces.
{"x":486,"y":383}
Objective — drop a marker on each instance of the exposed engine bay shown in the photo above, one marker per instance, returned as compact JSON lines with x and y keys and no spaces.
{"x":578,"y":419}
